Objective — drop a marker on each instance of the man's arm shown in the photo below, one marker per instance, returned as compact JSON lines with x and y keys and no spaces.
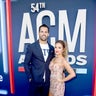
{"x":27,"y":62}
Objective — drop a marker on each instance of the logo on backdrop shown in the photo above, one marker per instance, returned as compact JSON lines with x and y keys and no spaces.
{"x":1,"y":78}
{"x":79,"y":32}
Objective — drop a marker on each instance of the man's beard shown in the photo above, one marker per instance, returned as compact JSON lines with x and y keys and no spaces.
{"x":43,"y":39}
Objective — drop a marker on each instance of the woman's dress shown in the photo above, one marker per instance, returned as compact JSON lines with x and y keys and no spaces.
{"x":57,"y":88}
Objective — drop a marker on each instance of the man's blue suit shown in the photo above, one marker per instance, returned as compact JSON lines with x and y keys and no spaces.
{"x":35,"y":66}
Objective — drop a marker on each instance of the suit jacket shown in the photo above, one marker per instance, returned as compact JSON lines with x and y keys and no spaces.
{"x":34,"y":63}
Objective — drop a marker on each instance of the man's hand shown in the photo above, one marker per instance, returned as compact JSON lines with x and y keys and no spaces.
{"x":30,"y":80}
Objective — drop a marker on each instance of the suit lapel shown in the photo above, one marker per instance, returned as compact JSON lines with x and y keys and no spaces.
{"x":39,"y":50}
{"x":50,"y":51}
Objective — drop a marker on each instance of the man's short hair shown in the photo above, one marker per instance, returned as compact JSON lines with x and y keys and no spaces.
{"x":44,"y":25}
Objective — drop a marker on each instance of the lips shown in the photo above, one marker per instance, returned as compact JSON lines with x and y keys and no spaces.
{"x":44,"y":36}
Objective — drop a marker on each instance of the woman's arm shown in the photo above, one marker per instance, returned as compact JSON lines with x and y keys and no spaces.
{"x":69,"y":69}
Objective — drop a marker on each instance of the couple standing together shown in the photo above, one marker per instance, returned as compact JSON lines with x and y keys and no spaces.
{"x":45,"y":65}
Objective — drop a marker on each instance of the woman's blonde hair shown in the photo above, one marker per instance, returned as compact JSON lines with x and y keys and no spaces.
{"x":65,"y":47}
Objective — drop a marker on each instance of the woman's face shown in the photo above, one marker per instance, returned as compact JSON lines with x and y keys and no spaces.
{"x":58,"y":49}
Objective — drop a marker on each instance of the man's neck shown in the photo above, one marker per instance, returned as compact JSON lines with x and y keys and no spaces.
{"x":42,"y":42}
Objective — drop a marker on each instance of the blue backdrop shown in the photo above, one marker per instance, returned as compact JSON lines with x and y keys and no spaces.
{"x":70,"y":20}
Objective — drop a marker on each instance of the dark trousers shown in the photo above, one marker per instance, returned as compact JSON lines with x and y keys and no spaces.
{"x":38,"y":89}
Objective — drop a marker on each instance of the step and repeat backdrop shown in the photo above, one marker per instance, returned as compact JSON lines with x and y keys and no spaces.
{"x":70,"y":20}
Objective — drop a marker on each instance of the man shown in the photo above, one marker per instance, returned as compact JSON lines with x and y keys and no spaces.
{"x":36,"y":63}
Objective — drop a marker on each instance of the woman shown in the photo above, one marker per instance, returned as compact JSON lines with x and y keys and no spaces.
{"x":57,"y":67}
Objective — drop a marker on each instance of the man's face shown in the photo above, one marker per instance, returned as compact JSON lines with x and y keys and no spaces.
{"x":43,"y":33}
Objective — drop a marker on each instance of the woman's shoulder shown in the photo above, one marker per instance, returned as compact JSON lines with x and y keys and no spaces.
{"x":53,"y":59}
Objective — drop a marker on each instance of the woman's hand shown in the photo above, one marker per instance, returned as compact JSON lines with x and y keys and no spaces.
{"x":60,"y":80}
